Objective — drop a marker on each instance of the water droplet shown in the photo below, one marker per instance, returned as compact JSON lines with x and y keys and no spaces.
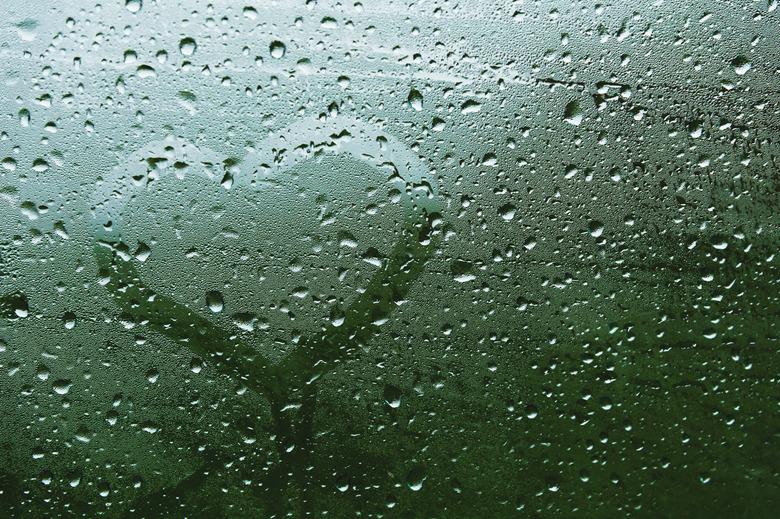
{"x":145,"y":72}
{"x":196,"y":365}
{"x":215,"y":301}
{"x":741,"y":65}
{"x":392,"y":396}
{"x":337,"y":316}
{"x":74,"y":479}
{"x":490,"y":160}
{"x":329,"y":23}
{"x":595,"y":228}
{"x":152,"y":375}
{"x":150,"y":427}
{"x":415,"y":478}
{"x":133,"y":5}
{"x":42,"y":372}
{"x":26,"y":29}
{"x":40,"y":165}
{"x":277,"y":49}
{"x":245,"y":321}
{"x":82,"y":434}
{"x":304,"y":67}
{"x":61,"y":386}
{"x":507,"y":211}
{"x":187,"y":46}
{"x":573,"y":114}
{"x":470,"y":107}
{"x":250,"y":13}
{"x":69,"y":319}
{"x":103,"y":489}
{"x":415,"y":100}
{"x":9,"y":164}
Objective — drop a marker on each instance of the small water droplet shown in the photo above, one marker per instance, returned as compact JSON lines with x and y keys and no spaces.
{"x":69,"y":320}
{"x":196,"y":365}
{"x":152,"y":375}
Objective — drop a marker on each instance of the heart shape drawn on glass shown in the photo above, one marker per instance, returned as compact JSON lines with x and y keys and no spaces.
{"x":182,"y":232}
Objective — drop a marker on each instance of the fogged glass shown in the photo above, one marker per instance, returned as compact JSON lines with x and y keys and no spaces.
{"x":389,"y":259}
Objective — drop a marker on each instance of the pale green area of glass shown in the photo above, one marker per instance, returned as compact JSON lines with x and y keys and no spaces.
{"x":389,"y":259}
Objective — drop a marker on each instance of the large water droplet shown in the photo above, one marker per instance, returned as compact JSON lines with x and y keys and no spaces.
{"x":187,"y":46}
{"x":741,"y":65}
{"x":214,"y":301}
{"x":596,"y":228}
{"x":277,"y":49}
{"x":415,"y":100}
{"x":415,"y":478}
{"x":470,"y":107}
{"x":133,"y":5}
{"x":572,"y":114}
{"x":507,"y":211}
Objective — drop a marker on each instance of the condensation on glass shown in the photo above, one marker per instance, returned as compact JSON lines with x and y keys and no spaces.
{"x":389,"y":259}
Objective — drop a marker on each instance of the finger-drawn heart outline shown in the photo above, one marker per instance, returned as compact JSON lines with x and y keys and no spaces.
{"x":293,"y":378}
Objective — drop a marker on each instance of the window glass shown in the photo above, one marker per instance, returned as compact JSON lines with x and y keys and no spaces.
{"x":409,"y":258}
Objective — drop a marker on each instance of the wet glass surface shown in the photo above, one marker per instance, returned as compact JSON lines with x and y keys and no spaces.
{"x":327,"y":258}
